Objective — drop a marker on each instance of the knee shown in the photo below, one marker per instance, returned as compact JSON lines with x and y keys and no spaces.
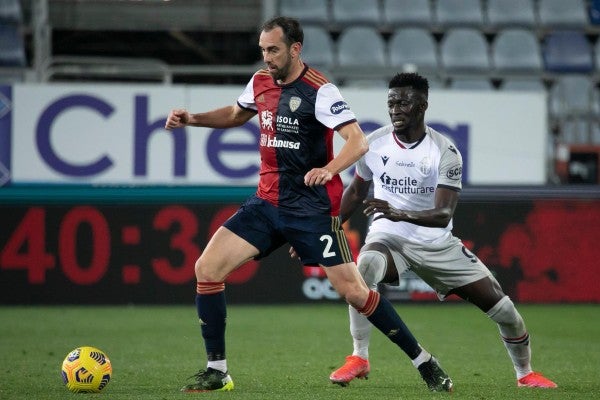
{"x":372,"y":265}
{"x":354,"y":294}
{"x":204,"y":273}
{"x":504,"y":312}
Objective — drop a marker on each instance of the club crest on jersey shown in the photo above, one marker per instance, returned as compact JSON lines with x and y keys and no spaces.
{"x":425,"y":166}
{"x":295,"y":103}
{"x":266,"y":120}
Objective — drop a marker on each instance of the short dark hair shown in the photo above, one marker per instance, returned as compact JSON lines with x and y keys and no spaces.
{"x":292,"y":31}
{"x":412,"y":79}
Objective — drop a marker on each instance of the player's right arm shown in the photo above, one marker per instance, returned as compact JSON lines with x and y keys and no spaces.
{"x":353,"y":197}
{"x":446,"y":200}
{"x":220,"y":118}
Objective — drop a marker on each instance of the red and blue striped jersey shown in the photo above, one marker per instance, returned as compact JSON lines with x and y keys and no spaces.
{"x":297,"y":121}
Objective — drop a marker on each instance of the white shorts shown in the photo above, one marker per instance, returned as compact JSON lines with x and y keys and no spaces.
{"x":443,"y":266}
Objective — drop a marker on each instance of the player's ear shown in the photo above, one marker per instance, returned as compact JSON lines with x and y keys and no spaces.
{"x":424,"y":105}
{"x":296,"y":49}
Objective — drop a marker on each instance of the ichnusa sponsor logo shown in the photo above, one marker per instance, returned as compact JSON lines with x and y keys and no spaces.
{"x":273,"y":142}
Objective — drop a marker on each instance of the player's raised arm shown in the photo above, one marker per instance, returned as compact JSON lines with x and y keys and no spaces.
{"x":225,"y":117}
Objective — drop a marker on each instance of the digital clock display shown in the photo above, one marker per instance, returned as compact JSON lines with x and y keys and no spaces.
{"x":125,"y":253}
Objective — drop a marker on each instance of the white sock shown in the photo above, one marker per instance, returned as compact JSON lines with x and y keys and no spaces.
{"x":514,"y":335}
{"x":372,"y":266}
{"x":220,"y":365}
{"x":424,"y":356}
{"x":360,"y":329}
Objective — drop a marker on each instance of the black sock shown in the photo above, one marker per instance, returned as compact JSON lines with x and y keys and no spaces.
{"x":387,"y":320}
{"x":212,"y":312}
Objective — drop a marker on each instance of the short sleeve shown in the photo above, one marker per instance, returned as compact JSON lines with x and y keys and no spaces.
{"x":246,"y":99}
{"x":330,"y":108}
{"x":450,"y":172}
{"x":362,"y":170}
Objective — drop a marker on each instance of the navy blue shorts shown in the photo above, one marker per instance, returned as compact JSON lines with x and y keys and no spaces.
{"x":317,"y":239}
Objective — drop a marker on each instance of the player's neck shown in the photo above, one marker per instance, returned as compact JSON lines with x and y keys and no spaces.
{"x":295,"y":72}
{"x":411,"y":136}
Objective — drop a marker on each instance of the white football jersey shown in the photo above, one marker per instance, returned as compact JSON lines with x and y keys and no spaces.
{"x":407,"y":178}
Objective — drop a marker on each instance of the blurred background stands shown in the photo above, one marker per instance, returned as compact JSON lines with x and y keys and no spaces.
{"x":534,"y":45}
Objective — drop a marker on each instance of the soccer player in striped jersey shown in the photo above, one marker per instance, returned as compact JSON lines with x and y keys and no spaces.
{"x":416,"y":177}
{"x":298,"y":196}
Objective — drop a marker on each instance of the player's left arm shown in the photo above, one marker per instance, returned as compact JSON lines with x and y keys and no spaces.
{"x":438,"y":217}
{"x":354,"y":148}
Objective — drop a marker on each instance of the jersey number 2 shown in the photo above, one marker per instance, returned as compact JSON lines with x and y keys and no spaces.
{"x":329,"y":241}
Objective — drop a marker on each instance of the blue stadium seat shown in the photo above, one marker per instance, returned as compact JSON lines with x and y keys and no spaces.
{"x":464,"y":50}
{"x":511,"y":13}
{"x":594,"y":12}
{"x":306,"y":11}
{"x":516,"y":50}
{"x":12,"y":51}
{"x":568,"y":51}
{"x":413,"y":46}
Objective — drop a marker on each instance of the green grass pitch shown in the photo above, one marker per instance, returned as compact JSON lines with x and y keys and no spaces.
{"x":288,"y":352}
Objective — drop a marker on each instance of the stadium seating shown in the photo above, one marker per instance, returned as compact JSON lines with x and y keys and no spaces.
{"x":463,"y":13}
{"x":597,"y":54}
{"x":10,"y":12}
{"x":562,"y":13}
{"x":413,"y":46}
{"x":306,"y":11}
{"x":471,"y":84}
{"x":403,"y":13}
{"x":464,"y":50}
{"x":361,"y":46}
{"x":568,"y":51}
{"x":511,"y":13}
{"x":355,"y":12}
{"x":574,"y":107}
{"x":318,"y":49}
{"x":516,"y":50}
{"x":12,"y":51}
{"x":573,"y":95}
{"x":594,"y":12}
{"x":523,"y":84}
{"x":366,"y":83}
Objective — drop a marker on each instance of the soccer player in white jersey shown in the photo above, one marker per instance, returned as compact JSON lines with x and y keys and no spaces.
{"x":416,"y":177}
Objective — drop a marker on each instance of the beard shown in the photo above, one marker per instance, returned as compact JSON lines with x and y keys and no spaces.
{"x":281,"y":73}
